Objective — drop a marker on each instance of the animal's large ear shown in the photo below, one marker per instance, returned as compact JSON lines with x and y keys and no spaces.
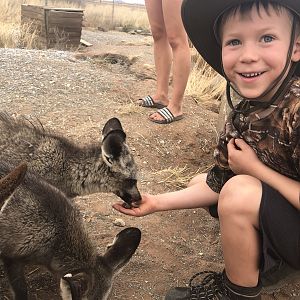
{"x":11,"y":181}
{"x":113,"y":138}
{"x":74,"y":287}
{"x":122,"y":248}
{"x":113,"y":125}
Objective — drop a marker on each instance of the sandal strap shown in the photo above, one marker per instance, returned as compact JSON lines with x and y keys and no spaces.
{"x":148,"y":101}
{"x":166,"y":114}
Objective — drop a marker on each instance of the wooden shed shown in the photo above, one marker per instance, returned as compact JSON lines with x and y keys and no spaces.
{"x":56,"y":27}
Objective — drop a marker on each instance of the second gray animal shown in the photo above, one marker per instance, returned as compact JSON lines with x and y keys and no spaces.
{"x":106,"y":166}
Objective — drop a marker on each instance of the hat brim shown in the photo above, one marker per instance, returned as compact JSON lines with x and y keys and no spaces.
{"x":199,"y":19}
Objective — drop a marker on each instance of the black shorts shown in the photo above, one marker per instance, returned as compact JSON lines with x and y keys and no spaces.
{"x":279,"y":223}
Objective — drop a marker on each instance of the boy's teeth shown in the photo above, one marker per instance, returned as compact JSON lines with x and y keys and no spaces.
{"x":248,"y":75}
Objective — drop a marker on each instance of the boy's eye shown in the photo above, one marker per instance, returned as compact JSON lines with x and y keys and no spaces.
{"x":267,"y":38}
{"x":233,"y":42}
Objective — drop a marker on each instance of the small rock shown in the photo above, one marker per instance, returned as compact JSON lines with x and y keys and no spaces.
{"x":119,"y":222}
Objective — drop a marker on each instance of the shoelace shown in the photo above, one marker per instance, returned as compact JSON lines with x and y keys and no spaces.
{"x":210,"y":288}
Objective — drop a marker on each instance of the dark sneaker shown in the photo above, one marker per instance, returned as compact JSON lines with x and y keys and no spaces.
{"x":212,"y":287}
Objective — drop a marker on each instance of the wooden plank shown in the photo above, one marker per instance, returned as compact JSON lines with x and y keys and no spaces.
{"x":64,"y":9}
{"x":33,"y":16}
{"x":31,"y":12}
{"x":32,"y":8}
{"x":66,"y":27}
{"x":64,"y":35}
{"x":65,"y":14}
{"x":63,"y":29}
{"x":65,"y":21}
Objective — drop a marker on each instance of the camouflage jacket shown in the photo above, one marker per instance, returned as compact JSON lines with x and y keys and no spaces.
{"x":273,"y":133}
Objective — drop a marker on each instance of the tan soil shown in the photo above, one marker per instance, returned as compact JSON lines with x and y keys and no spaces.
{"x":74,"y":94}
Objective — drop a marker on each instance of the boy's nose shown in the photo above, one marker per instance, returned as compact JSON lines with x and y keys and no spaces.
{"x":249,"y":54}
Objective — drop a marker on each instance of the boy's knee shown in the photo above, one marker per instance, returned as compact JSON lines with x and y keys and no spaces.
{"x":241,"y":193}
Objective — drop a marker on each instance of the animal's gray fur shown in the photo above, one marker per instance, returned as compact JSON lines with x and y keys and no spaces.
{"x":11,"y":181}
{"x":40,"y":225}
{"x":106,"y":166}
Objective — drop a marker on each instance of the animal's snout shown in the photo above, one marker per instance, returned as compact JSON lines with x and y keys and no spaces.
{"x":132,"y":196}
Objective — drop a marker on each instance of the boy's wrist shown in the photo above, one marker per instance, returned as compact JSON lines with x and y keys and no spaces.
{"x":156,"y":204}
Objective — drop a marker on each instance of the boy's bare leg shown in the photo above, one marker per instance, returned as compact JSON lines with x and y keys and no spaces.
{"x":239,"y":221}
{"x":178,"y":40}
{"x":161,"y":48}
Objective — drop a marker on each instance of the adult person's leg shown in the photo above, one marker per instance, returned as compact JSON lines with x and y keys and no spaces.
{"x":161,"y":48}
{"x":178,"y":41}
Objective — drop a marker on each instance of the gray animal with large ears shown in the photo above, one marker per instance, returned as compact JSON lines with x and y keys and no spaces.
{"x":39,"y":225}
{"x":106,"y":166}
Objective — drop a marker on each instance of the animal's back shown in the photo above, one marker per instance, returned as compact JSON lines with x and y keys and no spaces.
{"x":24,"y":141}
{"x":18,"y":138}
{"x":41,"y":221}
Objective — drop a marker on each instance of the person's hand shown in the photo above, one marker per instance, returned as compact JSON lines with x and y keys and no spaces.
{"x":146,"y":207}
{"x":241,"y":157}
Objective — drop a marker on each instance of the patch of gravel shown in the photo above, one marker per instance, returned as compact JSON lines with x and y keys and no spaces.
{"x":39,"y":82}
{"x":30,"y":74}
{"x":97,"y":37}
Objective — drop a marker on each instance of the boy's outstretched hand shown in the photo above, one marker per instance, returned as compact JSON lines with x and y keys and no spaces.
{"x":241,"y":157}
{"x":146,"y":207}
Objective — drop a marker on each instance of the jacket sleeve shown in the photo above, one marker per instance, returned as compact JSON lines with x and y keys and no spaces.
{"x":295,"y":139}
{"x":217,"y":177}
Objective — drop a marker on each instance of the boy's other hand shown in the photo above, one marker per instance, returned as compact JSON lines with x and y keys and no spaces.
{"x":241,"y":157}
{"x":146,"y":207}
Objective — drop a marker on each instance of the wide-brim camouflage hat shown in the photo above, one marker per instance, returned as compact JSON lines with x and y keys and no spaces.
{"x":200,"y":17}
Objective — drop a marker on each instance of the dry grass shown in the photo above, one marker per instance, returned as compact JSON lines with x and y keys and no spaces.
{"x":108,"y":17}
{"x":12,"y":34}
{"x":204,"y":83}
{"x":178,"y":177}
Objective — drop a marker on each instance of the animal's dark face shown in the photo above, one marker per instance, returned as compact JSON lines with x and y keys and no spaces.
{"x":96,"y":283}
{"x":87,"y":286}
{"x":125,"y":179}
{"x":118,"y":158}
{"x":130,"y":193}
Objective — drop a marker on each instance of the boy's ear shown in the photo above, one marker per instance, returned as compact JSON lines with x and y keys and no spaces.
{"x":296,"y":50}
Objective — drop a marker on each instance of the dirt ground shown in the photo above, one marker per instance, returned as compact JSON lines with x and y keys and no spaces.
{"x":74,"y":94}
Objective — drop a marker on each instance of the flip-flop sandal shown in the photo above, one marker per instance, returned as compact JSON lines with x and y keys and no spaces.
{"x":168,"y":117}
{"x":149,"y":103}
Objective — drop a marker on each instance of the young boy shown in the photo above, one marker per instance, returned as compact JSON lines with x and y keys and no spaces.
{"x":254,"y":186}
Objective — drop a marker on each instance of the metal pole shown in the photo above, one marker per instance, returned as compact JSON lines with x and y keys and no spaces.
{"x":112,"y":15}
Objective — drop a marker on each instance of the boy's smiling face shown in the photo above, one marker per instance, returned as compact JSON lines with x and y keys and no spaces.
{"x":254,"y":49}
